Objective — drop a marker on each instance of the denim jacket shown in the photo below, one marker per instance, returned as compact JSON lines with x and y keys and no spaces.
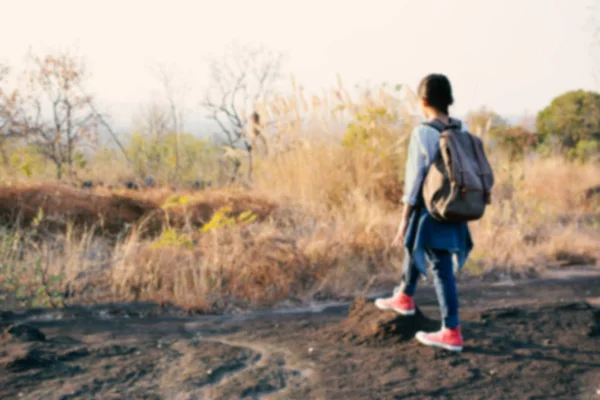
{"x":425,"y":232}
{"x":423,"y":147}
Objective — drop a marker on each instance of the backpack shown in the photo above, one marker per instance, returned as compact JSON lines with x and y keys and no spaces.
{"x":458,"y":183}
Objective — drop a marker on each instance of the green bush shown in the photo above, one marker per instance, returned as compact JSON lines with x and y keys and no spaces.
{"x":586,"y":150}
{"x":378,"y":132}
{"x":515,"y":141}
{"x":572,"y":122}
{"x":26,"y":160}
{"x":158,"y":158}
{"x":375,"y":144}
{"x":484,"y":120}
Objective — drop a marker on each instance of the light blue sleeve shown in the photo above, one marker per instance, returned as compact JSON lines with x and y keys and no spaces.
{"x":416,"y":165}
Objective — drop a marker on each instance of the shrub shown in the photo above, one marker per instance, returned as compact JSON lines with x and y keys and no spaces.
{"x":158,"y":157}
{"x":571,"y":118}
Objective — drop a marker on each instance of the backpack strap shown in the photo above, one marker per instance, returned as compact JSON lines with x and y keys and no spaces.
{"x":453,"y":124}
{"x":440,"y":127}
{"x":479,"y":158}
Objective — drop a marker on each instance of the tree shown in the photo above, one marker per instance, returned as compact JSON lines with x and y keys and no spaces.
{"x":63,"y":117}
{"x":174,"y":94}
{"x":159,"y":122}
{"x":514,"y":140}
{"x":167,"y":154}
{"x":6,"y":104}
{"x":572,"y":120}
{"x":482,"y":121}
{"x":153,"y":121}
{"x":244,"y":76}
{"x":11,"y":113}
{"x":156,"y":158}
{"x":151,"y":127}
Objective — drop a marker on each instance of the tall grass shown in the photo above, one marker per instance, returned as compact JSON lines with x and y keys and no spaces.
{"x":315,"y":222}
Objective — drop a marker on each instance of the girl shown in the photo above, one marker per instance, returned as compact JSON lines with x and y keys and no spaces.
{"x":425,"y":238}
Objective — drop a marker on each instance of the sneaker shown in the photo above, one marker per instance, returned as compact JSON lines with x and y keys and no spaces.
{"x":446,"y":338}
{"x":402,"y":303}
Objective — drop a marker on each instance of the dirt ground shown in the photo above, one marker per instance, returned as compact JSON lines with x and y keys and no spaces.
{"x":531,"y":340}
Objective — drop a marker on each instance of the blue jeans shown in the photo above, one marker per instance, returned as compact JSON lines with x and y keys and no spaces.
{"x":443,"y":279}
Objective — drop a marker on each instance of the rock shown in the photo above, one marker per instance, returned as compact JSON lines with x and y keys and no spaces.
{"x":149,"y":182}
{"x":568,"y":258}
{"x":33,"y":359}
{"x":591,"y":192}
{"x":594,"y":329}
{"x":366,"y":324}
{"x":74,"y":355}
{"x":25,"y":333}
{"x":501,"y":313}
{"x":131,"y":185}
{"x":198,"y":184}
{"x":7,"y":316}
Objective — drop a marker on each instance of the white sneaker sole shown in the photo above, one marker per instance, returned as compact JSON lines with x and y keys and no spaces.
{"x":420,"y":336}
{"x":381,"y":306}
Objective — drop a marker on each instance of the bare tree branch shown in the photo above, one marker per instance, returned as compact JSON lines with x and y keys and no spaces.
{"x":174,"y":92}
{"x":241,"y":78}
{"x":59,"y":124}
{"x":97,"y":116}
{"x":13,"y":121}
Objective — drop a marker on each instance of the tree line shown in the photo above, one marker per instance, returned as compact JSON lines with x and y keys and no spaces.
{"x":52,"y":113}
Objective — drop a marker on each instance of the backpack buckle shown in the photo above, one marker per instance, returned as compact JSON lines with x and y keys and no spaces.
{"x":487,"y":197}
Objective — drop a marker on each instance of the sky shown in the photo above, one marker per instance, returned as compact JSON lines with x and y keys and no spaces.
{"x":512,"y":56}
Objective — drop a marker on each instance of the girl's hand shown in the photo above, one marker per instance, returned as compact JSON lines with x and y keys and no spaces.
{"x":401,"y":235}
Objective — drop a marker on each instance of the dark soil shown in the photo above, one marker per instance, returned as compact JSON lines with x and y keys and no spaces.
{"x":536,"y":340}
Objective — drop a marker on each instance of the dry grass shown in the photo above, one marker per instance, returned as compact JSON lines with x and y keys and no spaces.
{"x":282,"y":253}
{"x":294,"y":250}
{"x":113,"y":212}
{"x":317,"y":223}
{"x":539,"y":213}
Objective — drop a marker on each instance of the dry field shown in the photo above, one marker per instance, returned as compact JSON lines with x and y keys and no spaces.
{"x":315,"y":223}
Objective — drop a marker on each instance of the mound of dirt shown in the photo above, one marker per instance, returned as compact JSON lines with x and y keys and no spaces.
{"x":114,"y":211}
{"x":366,"y":324}
{"x":19,"y":205}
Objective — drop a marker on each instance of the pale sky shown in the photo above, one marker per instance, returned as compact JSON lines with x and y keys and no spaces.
{"x":513,"y":56}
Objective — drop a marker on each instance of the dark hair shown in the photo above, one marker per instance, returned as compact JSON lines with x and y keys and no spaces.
{"x":435,"y":89}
